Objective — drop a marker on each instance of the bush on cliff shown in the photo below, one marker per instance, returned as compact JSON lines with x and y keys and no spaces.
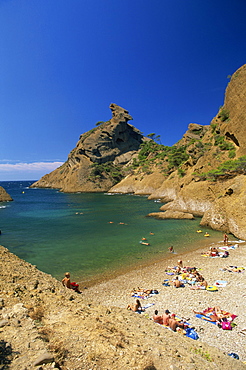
{"x":227,"y":169}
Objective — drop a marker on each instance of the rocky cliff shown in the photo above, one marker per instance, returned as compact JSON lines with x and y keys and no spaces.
{"x":4,"y":196}
{"x":95,"y":165}
{"x":202,"y":175}
{"x":211,"y":182}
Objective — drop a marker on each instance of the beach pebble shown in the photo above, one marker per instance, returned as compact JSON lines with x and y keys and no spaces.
{"x":44,"y":358}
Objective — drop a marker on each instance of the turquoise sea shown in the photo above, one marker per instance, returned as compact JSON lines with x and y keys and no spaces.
{"x":91,"y":235}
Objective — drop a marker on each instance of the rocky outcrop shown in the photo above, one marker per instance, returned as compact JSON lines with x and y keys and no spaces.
{"x":4,"y":196}
{"x":114,"y":141}
{"x":171,"y":214}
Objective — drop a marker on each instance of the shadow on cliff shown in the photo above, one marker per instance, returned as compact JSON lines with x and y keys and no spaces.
{"x":5,"y":355}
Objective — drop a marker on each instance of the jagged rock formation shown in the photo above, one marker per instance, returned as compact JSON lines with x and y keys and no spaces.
{"x":193,"y":176}
{"x":4,"y":196}
{"x":113,"y":143}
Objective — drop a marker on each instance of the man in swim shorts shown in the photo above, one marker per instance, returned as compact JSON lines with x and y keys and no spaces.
{"x":166,"y":317}
{"x":157,"y":318}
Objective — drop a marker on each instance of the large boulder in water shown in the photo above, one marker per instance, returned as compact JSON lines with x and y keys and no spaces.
{"x":4,"y":196}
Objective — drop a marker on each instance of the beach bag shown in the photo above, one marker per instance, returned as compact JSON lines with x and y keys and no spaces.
{"x":226,"y":325}
{"x":233,"y":355}
{"x":191,"y":333}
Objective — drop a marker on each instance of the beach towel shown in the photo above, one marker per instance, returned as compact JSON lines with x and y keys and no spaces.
{"x":220,"y":283}
{"x":205,"y":315}
{"x":191,"y":333}
{"x":148,"y":305}
{"x":234,"y":269}
{"x":228,"y":247}
{"x":140,"y":296}
{"x":166,"y":284}
{"x":206,"y":255}
{"x":145,"y":296}
{"x":145,"y":307}
{"x":205,"y":318}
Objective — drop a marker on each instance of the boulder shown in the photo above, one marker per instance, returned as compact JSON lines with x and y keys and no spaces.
{"x":171,"y":214}
{"x":4,"y":196}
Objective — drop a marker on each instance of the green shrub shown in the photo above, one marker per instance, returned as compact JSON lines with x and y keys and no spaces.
{"x":100,"y":171}
{"x":227,"y":169}
{"x":181,"y":172}
{"x":214,"y":127}
{"x":224,"y":115}
{"x":232,"y":153}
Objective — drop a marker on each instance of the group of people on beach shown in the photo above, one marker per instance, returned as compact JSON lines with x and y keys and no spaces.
{"x":169,"y":320}
{"x":187,"y":274}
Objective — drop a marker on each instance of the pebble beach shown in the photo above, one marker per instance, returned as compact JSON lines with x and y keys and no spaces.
{"x":183,"y":301}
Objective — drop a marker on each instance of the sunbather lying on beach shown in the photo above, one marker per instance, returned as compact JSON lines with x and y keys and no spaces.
{"x":135,"y":307}
{"x":234,"y":269}
{"x":143,"y":292}
{"x":215,"y":314}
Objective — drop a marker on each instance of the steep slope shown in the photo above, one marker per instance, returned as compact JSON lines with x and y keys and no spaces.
{"x":211,"y":182}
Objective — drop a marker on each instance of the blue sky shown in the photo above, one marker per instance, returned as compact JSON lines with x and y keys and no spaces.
{"x":63,"y":62}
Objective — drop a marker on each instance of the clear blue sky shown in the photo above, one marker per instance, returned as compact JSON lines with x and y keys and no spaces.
{"x":63,"y":62}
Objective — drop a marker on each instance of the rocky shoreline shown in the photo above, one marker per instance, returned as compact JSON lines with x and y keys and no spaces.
{"x":93,"y":330}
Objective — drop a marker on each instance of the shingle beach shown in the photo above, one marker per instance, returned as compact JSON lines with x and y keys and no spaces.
{"x":182,"y":301}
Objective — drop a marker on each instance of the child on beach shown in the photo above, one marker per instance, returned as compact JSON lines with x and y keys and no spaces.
{"x":67,"y":283}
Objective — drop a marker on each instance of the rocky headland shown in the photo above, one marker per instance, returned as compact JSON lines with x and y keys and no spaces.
{"x":201,"y":175}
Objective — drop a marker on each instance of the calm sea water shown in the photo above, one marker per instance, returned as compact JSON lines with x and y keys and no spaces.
{"x":89,"y":235}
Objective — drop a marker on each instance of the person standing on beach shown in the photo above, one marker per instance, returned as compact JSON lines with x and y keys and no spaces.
{"x":225,"y":239}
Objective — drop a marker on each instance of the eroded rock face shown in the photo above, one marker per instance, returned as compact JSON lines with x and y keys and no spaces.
{"x":113,"y":141}
{"x":4,"y":196}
